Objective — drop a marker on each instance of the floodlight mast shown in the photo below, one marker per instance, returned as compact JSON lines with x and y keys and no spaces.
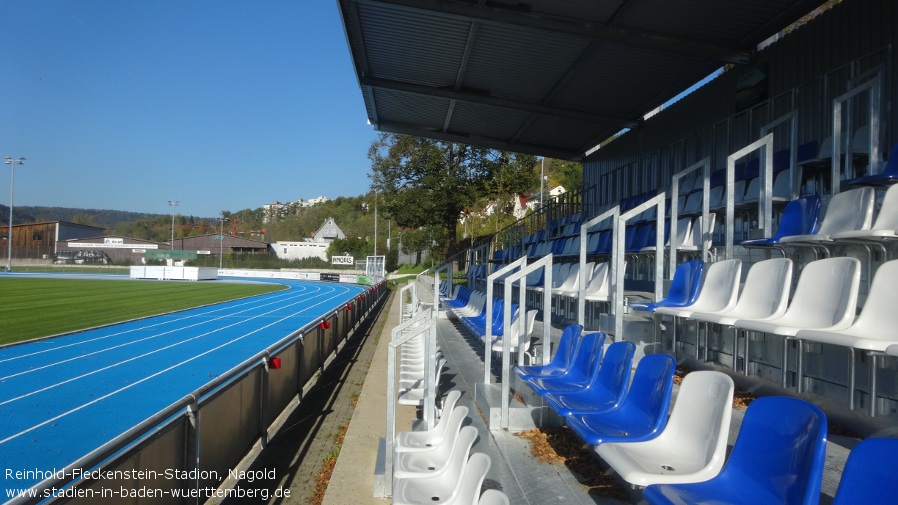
{"x":12,"y":162}
{"x":172,"y":204}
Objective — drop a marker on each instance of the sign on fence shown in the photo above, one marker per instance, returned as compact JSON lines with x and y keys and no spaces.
{"x":342,"y":260}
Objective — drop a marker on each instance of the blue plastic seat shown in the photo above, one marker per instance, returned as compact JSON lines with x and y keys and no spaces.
{"x":888,"y":176}
{"x":477,"y":324}
{"x":800,"y":217}
{"x":480,"y":319}
{"x":684,"y":287}
{"x":498,"y":320}
{"x":643,"y":235}
{"x":778,"y":458}
{"x":642,"y":415}
{"x":461,"y":298}
{"x":607,"y":386}
{"x":869,"y":476}
{"x":564,"y":355}
{"x":604,"y":244}
{"x":586,"y":359}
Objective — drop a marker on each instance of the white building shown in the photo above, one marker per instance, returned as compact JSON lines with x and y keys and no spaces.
{"x":314,"y":247}
{"x":314,"y":201}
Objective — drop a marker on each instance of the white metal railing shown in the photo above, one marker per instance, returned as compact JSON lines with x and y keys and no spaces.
{"x":619,"y":256}
{"x":612,"y":213}
{"x":874,"y":86}
{"x":488,"y":331}
{"x":705,"y":165}
{"x":521,"y":277}
{"x":422,"y":322}
{"x":765,"y":201}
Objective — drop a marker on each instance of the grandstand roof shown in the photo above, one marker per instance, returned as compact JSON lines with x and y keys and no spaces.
{"x":545,"y":77}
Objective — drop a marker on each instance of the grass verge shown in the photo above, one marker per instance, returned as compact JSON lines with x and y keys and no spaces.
{"x":33,"y":308}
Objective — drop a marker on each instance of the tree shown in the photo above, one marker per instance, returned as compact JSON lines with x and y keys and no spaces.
{"x":350,"y":246}
{"x":425,"y":182}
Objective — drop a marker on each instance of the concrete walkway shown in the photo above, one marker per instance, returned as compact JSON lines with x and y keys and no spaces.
{"x":353,"y":479}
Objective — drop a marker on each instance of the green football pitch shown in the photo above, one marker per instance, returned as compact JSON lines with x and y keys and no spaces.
{"x":39,"y":307}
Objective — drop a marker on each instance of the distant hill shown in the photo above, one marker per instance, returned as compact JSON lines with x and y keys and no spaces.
{"x":105,"y":218}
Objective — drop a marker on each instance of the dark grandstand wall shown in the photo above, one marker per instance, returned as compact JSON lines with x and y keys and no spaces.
{"x":804,"y":71}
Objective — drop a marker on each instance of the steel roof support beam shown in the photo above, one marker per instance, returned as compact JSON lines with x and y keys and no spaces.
{"x":489,"y":142}
{"x":487,"y":99}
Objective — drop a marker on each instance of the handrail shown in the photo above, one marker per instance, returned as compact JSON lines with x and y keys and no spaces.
{"x":794,"y":180}
{"x":706,"y":203}
{"x":875,"y":87}
{"x":408,"y":287}
{"x":545,"y":263}
{"x":619,"y":257}
{"x":397,"y":339}
{"x":613,"y":213}
{"x":488,"y":336}
{"x":765,"y":204}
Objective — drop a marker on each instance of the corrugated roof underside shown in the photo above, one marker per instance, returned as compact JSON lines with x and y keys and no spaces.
{"x":511,"y":62}
{"x":410,"y":108}
{"x":561,"y":74}
{"x":418,"y":47}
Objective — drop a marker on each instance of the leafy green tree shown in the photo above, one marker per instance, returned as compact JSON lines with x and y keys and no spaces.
{"x":425,"y":182}
{"x":350,"y":246}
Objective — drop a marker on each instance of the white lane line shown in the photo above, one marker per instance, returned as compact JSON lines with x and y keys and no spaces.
{"x":122,"y":362}
{"x":153,"y":336}
{"x":171,"y":321}
{"x":268,"y":301}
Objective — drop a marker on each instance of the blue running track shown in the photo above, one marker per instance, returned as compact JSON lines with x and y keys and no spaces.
{"x":61,"y":398}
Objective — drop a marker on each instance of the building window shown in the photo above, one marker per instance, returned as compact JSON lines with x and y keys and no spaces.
{"x":37,"y":236}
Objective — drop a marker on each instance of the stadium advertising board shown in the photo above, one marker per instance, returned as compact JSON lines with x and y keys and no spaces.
{"x":342,"y":260}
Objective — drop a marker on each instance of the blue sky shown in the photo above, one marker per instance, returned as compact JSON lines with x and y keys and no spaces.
{"x":219,"y":104}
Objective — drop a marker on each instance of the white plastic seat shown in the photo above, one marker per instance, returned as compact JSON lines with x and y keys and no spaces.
{"x":493,"y":497}
{"x":825,"y":298}
{"x":573,"y":289}
{"x":892,"y":350}
{"x":873,"y":331}
{"x":598,"y":288}
{"x":684,"y":236}
{"x":695,"y":241}
{"x":764,"y":295}
{"x":474,"y":307}
{"x":410,"y":379}
{"x":433,"y":487}
{"x":780,"y":189}
{"x":847,"y":211}
{"x":433,"y":462}
{"x":417,"y":441}
{"x":559,"y":275}
{"x":571,"y":279}
{"x":471,"y":481}
{"x":884,"y":229}
{"x":885,"y":226}
{"x":719,"y":292}
{"x":407,"y":441}
{"x":514,"y":334}
{"x":414,"y":396}
{"x":692,"y":447}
